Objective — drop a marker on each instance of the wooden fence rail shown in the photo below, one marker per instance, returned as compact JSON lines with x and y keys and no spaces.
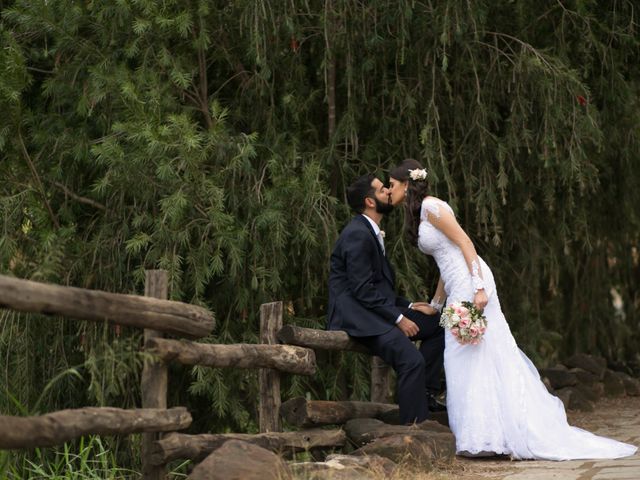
{"x":132,"y":310}
{"x":286,"y":358}
{"x":59,"y":427}
{"x":381,"y":373}
{"x":319,"y":339}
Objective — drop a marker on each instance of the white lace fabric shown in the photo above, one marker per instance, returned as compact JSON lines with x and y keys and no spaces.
{"x":495,"y":399}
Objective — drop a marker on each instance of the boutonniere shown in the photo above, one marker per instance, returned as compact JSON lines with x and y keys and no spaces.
{"x":382,"y":234}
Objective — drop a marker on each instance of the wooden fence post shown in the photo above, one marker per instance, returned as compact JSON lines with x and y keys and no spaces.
{"x":381,"y":381}
{"x":154,"y":377}
{"x":270,"y":400}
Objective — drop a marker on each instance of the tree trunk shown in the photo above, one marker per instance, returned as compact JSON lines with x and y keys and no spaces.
{"x":175,"y":446}
{"x":319,"y":339}
{"x":306,"y":413}
{"x":131,"y":310}
{"x":59,"y":427}
{"x":286,"y":358}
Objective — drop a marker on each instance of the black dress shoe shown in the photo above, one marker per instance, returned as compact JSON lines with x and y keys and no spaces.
{"x":434,"y":405}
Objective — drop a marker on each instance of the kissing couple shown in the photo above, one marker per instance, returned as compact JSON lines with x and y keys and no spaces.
{"x":496,"y":401}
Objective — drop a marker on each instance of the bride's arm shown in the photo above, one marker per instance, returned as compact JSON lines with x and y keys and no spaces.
{"x":447,"y":224}
{"x":438,"y":299}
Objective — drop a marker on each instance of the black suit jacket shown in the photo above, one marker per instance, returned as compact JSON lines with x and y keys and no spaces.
{"x":362,"y":298}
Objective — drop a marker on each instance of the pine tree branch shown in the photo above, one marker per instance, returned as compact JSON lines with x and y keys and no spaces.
{"x":79,"y":198}
{"x":36,"y":178}
{"x":203,"y":95}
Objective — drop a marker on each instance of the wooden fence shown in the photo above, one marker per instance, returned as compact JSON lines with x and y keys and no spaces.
{"x":283,"y":349}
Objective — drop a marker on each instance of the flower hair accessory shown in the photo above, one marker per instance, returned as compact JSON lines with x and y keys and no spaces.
{"x":418,"y":174}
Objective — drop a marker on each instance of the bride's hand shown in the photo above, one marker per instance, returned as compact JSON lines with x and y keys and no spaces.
{"x":480,"y":299}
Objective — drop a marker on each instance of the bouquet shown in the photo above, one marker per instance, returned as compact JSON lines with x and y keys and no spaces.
{"x":466,"y":322}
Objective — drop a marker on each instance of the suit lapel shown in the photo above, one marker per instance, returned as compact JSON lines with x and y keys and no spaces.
{"x":387,"y":271}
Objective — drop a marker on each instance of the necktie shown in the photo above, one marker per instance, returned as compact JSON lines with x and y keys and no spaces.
{"x":381,"y":240}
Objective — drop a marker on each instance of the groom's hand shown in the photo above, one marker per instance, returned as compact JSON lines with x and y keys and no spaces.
{"x":409,"y":328}
{"x":424,"y":308}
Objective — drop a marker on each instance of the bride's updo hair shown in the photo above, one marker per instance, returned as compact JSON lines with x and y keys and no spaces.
{"x":416,"y":191}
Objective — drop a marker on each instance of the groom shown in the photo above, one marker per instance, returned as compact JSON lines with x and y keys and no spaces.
{"x":362,"y":302}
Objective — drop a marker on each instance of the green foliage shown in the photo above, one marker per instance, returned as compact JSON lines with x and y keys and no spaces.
{"x":197,"y":137}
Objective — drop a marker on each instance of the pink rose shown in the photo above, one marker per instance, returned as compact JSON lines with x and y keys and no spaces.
{"x":463,"y":323}
{"x":464,"y":311}
{"x":455,"y":331}
{"x":473,"y":331}
{"x":482,"y":330}
{"x":458,"y":311}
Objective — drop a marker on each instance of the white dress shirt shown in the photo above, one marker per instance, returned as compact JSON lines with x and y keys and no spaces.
{"x":376,"y":230}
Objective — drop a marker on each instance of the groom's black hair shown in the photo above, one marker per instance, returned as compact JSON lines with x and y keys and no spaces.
{"x":359,"y":190}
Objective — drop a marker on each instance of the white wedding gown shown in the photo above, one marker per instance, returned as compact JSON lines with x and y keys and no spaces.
{"x":495,"y":399}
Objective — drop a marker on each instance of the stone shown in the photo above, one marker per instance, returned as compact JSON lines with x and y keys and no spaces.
{"x":392,"y":417}
{"x":564,"y":394}
{"x":237,"y":460}
{"x":590,"y":363}
{"x":421,"y":448}
{"x":558,"y":377}
{"x":345,"y":467}
{"x":613,"y":384}
{"x":584,"y":376}
{"x":580,"y":402}
{"x":365,"y":430}
{"x":632,"y":386}
{"x":378,"y":464}
{"x":591,"y":392}
{"x":574,"y":398}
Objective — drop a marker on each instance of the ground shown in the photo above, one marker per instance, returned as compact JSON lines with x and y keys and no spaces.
{"x":617,"y":418}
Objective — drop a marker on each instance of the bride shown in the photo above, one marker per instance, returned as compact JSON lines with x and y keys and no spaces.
{"x":495,"y":399}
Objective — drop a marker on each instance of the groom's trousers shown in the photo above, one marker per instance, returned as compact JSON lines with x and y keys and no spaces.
{"x":417,"y":370}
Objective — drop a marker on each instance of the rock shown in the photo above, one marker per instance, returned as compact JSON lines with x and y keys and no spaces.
{"x":613,"y":384}
{"x":590,"y":392}
{"x":599,"y":388}
{"x":375,"y":463}
{"x":590,"y":363}
{"x":584,"y":377}
{"x":564,"y":394}
{"x":237,"y":460}
{"x":434,"y":426}
{"x":631,"y":385}
{"x":574,"y":398}
{"x":421,"y":448}
{"x":547,"y":384}
{"x":345,"y":467}
{"x":580,"y":402}
{"x":559,"y":377}
{"x":393,"y":417}
{"x":441,"y":417}
{"x":365,"y":430}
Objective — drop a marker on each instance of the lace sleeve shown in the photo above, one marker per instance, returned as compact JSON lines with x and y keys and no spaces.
{"x":430,"y":207}
{"x":476,"y":279}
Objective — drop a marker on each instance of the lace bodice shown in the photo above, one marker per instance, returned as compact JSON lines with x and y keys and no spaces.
{"x":451,"y":262}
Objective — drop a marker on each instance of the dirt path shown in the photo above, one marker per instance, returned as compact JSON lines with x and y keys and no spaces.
{"x":615,"y":418}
